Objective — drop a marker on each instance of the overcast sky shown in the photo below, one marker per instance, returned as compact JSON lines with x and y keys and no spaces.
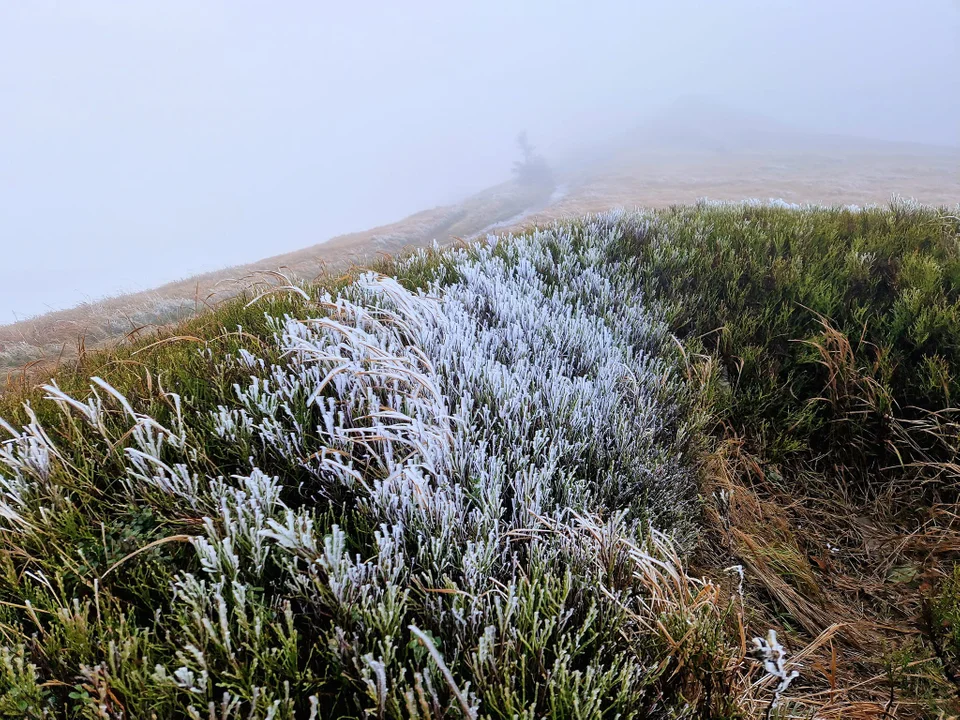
{"x":141,"y":142}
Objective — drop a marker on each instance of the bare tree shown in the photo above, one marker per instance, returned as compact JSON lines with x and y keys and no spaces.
{"x":531,"y":169}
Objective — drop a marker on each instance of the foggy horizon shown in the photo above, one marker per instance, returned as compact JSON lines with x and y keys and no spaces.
{"x":141,"y":144}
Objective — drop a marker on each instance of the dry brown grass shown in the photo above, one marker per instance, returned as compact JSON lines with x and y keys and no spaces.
{"x":40,"y":344}
{"x":828,"y":175}
{"x":817,"y":564}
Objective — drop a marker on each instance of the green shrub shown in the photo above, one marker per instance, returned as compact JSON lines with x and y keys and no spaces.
{"x":836,"y":328}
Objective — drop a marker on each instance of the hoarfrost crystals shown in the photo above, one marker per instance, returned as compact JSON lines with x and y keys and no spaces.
{"x":774,"y":659}
{"x":471,"y":429}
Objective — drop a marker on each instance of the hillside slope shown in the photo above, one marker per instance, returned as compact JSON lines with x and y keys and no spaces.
{"x":689,"y":153}
{"x":565,"y":474}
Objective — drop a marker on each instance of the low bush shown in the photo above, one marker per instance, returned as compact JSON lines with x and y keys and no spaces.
{"x":838,"y":330}
{"x":428,"y":501}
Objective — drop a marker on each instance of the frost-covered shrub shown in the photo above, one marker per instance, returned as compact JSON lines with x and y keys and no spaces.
{"x":152,"y":312}
{"x":425,"y":503}
{"x":18,"y":354}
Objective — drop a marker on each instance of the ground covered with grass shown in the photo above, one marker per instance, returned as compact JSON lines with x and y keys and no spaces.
{"x":570,"y":474}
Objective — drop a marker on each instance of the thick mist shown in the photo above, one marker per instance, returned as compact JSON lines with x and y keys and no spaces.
{"x":144,"y":142}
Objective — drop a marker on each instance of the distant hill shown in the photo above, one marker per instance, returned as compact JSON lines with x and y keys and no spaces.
{"x":691,"y":150}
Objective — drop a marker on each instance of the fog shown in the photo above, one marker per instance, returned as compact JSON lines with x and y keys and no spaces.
{"x":141,"y":142}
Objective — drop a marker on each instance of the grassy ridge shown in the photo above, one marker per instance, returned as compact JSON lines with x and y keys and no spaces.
{"x":826,"y":343}
{"x":290,"y":558}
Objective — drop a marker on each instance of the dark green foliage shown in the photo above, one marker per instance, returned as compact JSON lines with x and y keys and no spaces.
{"x":837,"y":337}
{"x":942,"y":617}
{"x":834,"y":327}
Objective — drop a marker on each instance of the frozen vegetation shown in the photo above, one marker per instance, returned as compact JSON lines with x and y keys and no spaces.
{"x":473,"y":486}
{"x":460,"y":500}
